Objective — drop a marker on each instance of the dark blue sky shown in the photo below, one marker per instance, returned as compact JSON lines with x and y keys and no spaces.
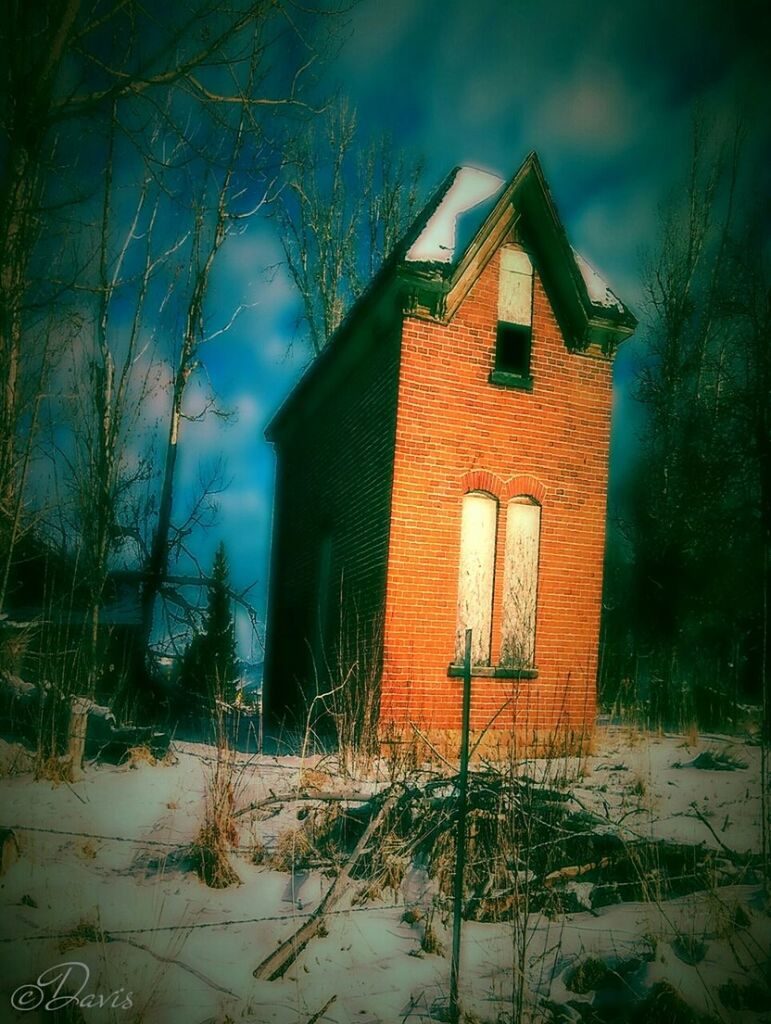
{"x":605,"y":92}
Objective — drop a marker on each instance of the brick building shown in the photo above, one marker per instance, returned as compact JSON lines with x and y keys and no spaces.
{"x":443,"y":465}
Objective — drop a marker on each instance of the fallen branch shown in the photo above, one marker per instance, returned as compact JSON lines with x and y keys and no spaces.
{"x":320,"y":797}
{"x":574,"y":871}
{"x":320,"y":1013}
{"x":735,"y":857}
{"x":281,"y":959}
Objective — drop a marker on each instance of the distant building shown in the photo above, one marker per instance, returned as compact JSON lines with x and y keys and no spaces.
{"x":46,"y":621}
{"x":249,"y":683}
{"x":443,"y":465}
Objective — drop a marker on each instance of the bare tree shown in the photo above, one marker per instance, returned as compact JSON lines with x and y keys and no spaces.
{"x":115,"y":383}
{"x":343,"y":210}
{"x":229,"y":212}
{"x":692,"y":609}
{"x":70,"y":71}
{"x":752,"y":297}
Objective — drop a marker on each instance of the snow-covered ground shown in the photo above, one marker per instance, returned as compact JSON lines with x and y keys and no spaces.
{"x":99,"y":882}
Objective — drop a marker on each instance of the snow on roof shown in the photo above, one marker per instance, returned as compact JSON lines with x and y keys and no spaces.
{"x":461,"y":211}
{"x":437,"y":242}
{"x":598,"y":289}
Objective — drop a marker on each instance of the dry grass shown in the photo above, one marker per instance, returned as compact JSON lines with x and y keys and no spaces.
{"x":434,"y":747}
{"x":347,"y":693}
{"x":400,"y":752}
{"x":54,"y":768}
{"x":639,"y":786}
{"x":209,"y":854}
{"x":293,"y":850}
{"x":367,"y":893}
{"x":312,"y":780}
{"x":393,"y":864}
{"x":413,"y":915}
{"x":210,"y":850}
{"x":587,"y":976}
{"x":139,"y":755}
{"x":691,"y":735}
{"x":430,"y":941}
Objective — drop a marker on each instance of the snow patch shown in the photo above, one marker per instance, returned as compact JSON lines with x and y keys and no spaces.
{"x":598,"y":289}
{"x":192,"y":954}
{"x":436,"y":242}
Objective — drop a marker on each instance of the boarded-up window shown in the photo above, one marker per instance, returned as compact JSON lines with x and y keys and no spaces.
{"x":515,"y":288}
{"x":523,"y":529}
{"x":477,"y":566}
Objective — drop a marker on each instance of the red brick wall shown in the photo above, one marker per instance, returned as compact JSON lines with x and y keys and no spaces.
{"x":333,"y":479}
{"x":451,"y":425}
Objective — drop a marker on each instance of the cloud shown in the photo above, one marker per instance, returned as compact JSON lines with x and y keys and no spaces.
{"x":245,"y":502}
{"x":611,"y":230}
{"x":377,"y":35}
{"x":249,"y":409}
{"x":249,"y":261}
{"x":595,"y":109}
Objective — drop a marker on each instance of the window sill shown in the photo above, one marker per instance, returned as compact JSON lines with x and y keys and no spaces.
{"x":493,"y":672}
{"x":511,"y":380}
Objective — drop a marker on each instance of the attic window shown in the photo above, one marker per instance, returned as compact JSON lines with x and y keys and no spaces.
{"x":512,"y":349}
{"x":515,"y":319}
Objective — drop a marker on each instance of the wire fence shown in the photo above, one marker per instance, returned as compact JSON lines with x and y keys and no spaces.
{"x":229,"y":923}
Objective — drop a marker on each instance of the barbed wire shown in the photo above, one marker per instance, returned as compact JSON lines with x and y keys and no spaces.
{"x":230,"y":923}
{"x":115,"y":839}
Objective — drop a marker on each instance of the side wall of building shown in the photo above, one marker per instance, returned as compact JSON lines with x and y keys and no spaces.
{"x":331,"y":527}
{"x":456,"y":432}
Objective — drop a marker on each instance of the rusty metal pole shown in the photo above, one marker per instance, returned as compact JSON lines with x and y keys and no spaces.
{"x":460,"y":847}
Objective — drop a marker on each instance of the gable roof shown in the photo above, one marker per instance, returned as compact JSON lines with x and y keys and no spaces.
{"x":448,"y":245}
{"x":469,"y":218}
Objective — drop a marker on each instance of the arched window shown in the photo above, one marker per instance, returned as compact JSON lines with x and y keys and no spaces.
{"x":477,"y":570}
{"x":520,"y":593}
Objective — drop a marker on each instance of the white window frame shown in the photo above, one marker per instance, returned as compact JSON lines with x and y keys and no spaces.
{"x":476,"y":575}
{"x":520,"y":582}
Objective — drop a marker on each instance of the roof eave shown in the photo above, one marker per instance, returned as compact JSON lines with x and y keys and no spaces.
{"x":389,"y":276}
{"x":581,"y":320}
{"x":377,"y":298}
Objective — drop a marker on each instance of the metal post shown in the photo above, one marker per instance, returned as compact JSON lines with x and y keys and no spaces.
{"x":460,"y":855}
{"x":260,"y":726}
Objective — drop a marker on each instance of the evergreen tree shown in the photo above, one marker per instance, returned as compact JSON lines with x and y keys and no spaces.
{"x":209,"y":669}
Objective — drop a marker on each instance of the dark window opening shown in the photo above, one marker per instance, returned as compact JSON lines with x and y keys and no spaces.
{"x":512,"y":349}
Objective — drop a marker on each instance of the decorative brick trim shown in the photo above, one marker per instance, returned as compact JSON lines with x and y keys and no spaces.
{"x":482,"y":480}
{"x":524,"y":483}
{"x":503,"y":490}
